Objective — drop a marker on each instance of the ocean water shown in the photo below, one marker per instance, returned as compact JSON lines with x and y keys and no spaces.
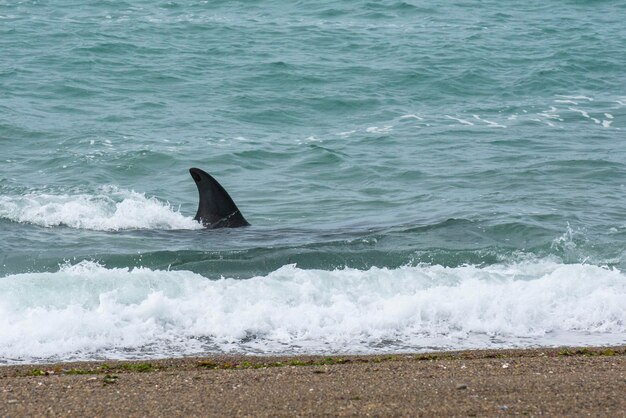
{"x":417,"y":176}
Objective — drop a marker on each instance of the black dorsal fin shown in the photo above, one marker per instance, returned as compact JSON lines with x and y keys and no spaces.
{"x":216,"y":209}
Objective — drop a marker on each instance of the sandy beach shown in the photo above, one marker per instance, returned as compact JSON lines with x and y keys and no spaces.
{"x":555,"y":382}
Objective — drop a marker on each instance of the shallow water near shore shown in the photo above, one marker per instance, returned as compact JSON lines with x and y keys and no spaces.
{"x":416,"y":177}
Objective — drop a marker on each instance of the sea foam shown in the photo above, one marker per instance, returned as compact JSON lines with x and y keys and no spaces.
{"x":88,"y":311}
{"x":110,"y":209}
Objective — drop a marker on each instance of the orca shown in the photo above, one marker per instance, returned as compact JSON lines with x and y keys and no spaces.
{"x":216,"y":209}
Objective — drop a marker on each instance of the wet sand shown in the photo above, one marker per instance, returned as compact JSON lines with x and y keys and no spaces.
{"x":554,"y":382}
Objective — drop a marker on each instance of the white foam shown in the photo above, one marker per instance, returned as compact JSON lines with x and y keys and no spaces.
{"x":585,"y":114}
{"x":579,"y":97}
{"x":461,"y":121}
{"x":346,"y":133}
{"x":582,"y":112}
{"x":111,"y":209}
{"x":379,"y":130}
{"x":86,"y":311}
{"x":550,"y":114}
{"x":411,"y":116}
{"x":489,"y":123}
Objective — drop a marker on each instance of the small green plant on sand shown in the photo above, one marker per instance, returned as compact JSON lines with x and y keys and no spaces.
{"x":208,"y":364}
{"x":109,"y":379}
{"x":137,"y":367}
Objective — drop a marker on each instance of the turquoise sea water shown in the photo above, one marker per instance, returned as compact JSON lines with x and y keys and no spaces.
{"x":417,"y":176}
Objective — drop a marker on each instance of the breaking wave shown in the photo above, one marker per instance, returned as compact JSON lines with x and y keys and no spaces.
{"x":112,"y":209}
{"x":88,"y":311}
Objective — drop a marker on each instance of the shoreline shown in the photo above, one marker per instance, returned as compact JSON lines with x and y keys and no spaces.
{"x":566,"y":380}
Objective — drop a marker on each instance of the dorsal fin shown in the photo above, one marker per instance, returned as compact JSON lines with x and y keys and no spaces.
{"x":216,"y":209}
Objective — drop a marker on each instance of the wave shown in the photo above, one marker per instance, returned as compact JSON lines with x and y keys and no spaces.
{"x":111,"y":209}
{"x":88,"y":311}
